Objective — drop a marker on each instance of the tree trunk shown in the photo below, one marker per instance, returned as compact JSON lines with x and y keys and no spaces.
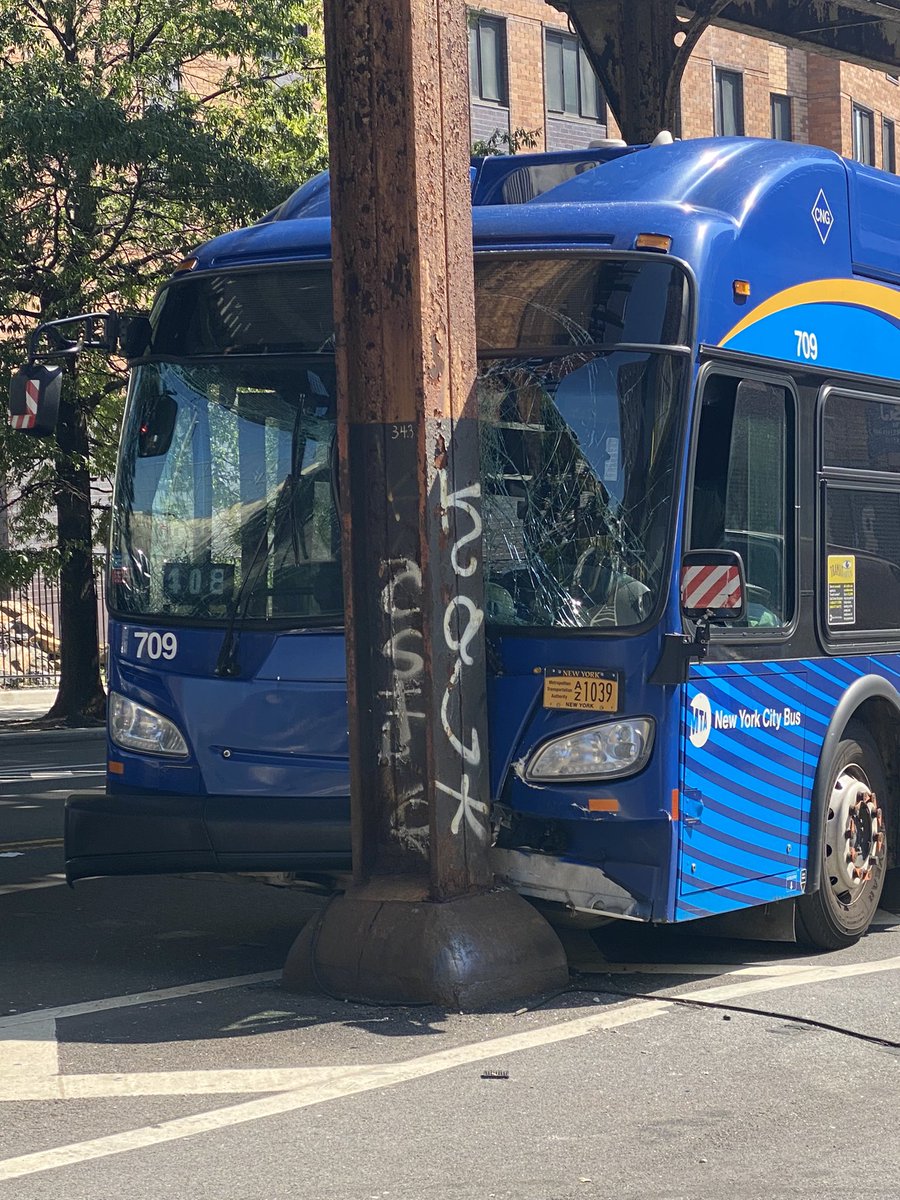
{"x":81,"y":698}
{"x":5,"y":592}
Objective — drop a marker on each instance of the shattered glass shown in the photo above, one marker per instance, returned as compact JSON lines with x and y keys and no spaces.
{"x":578,"y":460}
{"x":580,"y":407}
{"x":228,"y":470}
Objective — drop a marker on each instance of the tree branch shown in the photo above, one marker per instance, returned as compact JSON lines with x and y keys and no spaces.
{"x":239,"y":84}
{"x":126,"y":221}
{"x":44,"y":19}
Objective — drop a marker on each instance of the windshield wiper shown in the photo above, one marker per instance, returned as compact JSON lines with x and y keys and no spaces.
{"x":227,"y":664}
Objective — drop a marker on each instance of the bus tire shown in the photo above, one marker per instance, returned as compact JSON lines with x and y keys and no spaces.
{"x":854,"y":851}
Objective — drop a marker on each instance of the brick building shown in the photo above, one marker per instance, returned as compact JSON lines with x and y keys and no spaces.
{"x":527,"y":71}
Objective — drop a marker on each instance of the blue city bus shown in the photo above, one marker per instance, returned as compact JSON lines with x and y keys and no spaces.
{"x":689,"y":369}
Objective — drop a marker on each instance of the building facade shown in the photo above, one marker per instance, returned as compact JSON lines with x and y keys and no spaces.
{"x":527,"y":72}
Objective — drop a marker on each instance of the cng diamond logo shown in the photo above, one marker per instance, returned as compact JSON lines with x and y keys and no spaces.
{"x":822,"y":216}
{"x":700,"y":720}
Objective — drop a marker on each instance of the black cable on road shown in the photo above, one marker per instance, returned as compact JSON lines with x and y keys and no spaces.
{"x":688,"y":1002}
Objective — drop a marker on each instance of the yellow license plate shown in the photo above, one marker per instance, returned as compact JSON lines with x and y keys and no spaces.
{"x":588,"y":691}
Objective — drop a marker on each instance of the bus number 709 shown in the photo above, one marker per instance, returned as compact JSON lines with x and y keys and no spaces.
{"x":151,"y":644}
{"x":807,"y":345}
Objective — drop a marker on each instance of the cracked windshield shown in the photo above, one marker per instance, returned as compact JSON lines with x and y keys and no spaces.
{"x":579,"y":429}
{"x":227,"y":499}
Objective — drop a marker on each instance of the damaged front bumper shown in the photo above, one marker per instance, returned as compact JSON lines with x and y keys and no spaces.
{"x":578,"y":887}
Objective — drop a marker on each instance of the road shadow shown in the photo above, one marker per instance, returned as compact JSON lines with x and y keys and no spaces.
{"x":114,"y":938}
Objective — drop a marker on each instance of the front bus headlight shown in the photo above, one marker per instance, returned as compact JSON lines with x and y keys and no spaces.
{"x":607,"y":751}
{"x":135,"y":727}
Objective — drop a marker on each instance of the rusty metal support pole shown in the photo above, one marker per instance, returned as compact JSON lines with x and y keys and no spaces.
{"x":639,"y":50}
{"x":404,"y":305}
{"x":421,"y":921}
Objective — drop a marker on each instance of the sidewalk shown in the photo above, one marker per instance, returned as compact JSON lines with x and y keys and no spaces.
{"x":25,"y":704}
{"x":21,"y":713}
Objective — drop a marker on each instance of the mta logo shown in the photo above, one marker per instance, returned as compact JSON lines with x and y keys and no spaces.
{"x":699,"y":720}
{"x":822,"y":216}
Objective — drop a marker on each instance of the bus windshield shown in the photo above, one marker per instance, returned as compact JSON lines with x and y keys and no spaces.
{"x":228,"y":473}
{"x":227,"y":481}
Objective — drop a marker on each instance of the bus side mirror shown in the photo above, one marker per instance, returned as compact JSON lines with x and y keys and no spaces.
{"x":713,"y":587}
{"x":158,"y":416}
{"x":135,"y":336}
{"x":34,"y":393}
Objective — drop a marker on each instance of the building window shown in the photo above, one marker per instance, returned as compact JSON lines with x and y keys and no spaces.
{"x":487,"y":59}
{"x":572,"y":86}
{"x":729,"y":103}
{"x":888,"y":146}
{"x":863,"y":135}
{"x":781,"y":118}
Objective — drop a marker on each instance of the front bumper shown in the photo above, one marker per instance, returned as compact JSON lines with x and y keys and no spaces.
{"x":578,"y":887}
{"x":149,"y":833}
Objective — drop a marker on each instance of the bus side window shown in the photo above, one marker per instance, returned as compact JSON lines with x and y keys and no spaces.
{"x":741,"y":480}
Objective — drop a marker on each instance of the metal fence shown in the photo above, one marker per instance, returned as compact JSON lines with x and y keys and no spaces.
{"x":30,"y":630}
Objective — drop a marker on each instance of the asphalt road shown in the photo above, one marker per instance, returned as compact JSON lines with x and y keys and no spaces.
{"x":36,"y":775}
{"x":147,"y":1050}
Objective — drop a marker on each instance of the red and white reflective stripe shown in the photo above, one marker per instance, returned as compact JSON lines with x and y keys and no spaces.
{"x":27,"y":420}
{"x":710,"y":587}
{"x":32,"y":394}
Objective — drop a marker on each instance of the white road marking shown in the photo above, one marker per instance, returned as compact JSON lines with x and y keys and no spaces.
{"x":805,"y":975}
{"x":62,"y":768}
{"x":32,"y":1054}
{"x":133,"y":998}
{"x":764,"y":969}
{"x":45,"y":843}
{"x":348,"y":1081}
{"x":884,"y":919}
{"x":317,"y":1087}
{"x":48,"y":881}
{"x":80,"y":771}
{"x":179,"y":1083}
{"x":29,"y":1071}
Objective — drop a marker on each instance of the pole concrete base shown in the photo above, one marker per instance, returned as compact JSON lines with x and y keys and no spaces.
{"x":463,"y":954}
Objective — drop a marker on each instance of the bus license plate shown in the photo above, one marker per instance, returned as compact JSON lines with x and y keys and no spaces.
{"x":588,"y":691}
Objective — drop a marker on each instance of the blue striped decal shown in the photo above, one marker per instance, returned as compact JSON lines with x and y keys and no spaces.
{"x":744,"y":757}
{"x":742,"y":794}
{"x":751,"y":737}
{"x":736,"y":830}
{"x":722,"y":900}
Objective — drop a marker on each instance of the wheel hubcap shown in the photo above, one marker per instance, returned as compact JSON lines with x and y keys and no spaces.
{"x":854,"y":835}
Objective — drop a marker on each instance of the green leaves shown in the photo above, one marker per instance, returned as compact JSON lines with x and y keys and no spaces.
{"x":130,"y":131}
{"x":506,"y":142}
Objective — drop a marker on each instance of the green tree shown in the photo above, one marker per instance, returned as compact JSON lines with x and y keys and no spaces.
{"x":130,"y":130}
{"x":505,"y":141}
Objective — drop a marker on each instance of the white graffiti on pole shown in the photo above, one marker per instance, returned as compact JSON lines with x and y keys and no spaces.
{"x":401,"y":600}
{"x":464,"y":613}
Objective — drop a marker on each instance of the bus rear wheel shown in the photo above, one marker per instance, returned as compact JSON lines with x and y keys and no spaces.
{"x":854,"y":849}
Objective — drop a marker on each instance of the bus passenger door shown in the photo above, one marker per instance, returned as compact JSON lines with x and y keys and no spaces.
{"x":745,"y":789}
{"x":745,"y":782}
